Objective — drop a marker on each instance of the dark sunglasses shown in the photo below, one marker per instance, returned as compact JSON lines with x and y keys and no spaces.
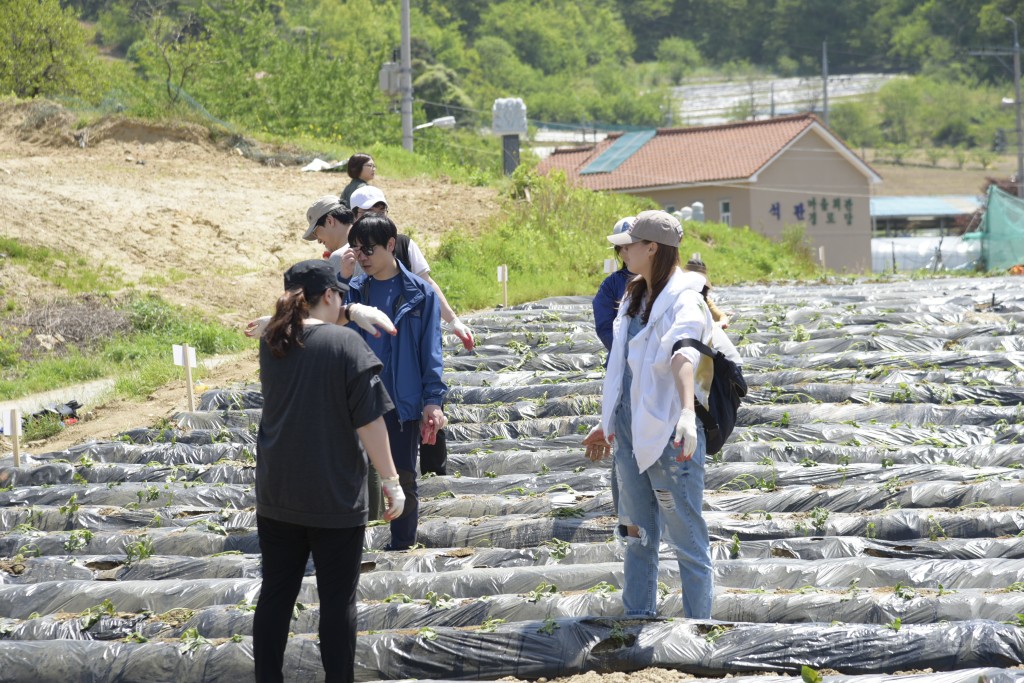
{"x":367,"y":250}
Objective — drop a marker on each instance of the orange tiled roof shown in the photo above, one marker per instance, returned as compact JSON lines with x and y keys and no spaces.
{"x":682,"y":156}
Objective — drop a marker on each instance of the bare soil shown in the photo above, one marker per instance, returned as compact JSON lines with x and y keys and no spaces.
{"x":165,"y":204}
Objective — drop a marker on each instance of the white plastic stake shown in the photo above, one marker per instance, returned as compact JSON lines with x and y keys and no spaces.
{"x":503,"y":279}
{"x":821,"y":256}
{"x":609,"y":266}
{"x":186,"y":355}
{"x":12,"y":427}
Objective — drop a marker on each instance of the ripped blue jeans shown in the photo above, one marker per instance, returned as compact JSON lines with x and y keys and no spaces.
{"x":669,"y":493}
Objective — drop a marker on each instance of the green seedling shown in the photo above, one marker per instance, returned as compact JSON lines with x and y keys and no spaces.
{"x":716,"y":632}
{"x":935,"y":530}
{"x":558,"y":549}
{"x":491,"y":625}
{"x":90,"y":616}
{"x":77,"y":539}
{"x":398,"y":597}
{"x":542,"y":589}
{"x":427,"y":633}
{"x":192,"y":640}
{"x":734,"y":547}
{"x":810,"y":675}
{"x":603,"y":587}
{"x":820,"y":516}
{"x":439,"y":600}
{"x":138,"y":550}
{"x":904,"y":592}
{"x":895,"y":624}
{"x":549,"y":627}
{"x":71,"y":507}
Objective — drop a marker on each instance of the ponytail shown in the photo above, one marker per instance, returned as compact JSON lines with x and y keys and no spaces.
{"x":283,"y":331}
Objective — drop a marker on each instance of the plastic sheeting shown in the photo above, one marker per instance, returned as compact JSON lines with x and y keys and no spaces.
{"x":561,"y":647}
{"x":874,"y":480}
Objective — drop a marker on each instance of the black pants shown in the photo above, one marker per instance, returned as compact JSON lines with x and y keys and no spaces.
{"x":434,"y":457}
{"x":404,"y":438}
{"x":337,"y":554}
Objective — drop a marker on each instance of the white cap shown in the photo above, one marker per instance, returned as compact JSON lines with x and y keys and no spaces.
{"x":365,"y":197}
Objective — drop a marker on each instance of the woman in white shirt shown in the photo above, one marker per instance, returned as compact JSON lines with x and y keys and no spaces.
{"x":650,"y":390}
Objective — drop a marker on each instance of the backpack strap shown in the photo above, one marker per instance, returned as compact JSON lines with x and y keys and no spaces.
{"x":402,"y":251}
{"x":700,"y":346}
{"x":706,"y":418}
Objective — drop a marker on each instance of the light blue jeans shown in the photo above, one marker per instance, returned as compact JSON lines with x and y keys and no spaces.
{"x":669,"y":493}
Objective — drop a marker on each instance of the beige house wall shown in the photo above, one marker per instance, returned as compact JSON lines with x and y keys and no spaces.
{"x":711,"y":196}
{"x":808,"y":175}
{"x":794,"y":185}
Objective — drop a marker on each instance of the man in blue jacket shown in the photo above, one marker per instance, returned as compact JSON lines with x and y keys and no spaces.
{"x":411,"y":359}
{"x":609,"y":294}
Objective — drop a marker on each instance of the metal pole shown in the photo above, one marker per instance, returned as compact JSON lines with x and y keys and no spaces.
{"x":405,"y":78}
{"x":824,"y":79}
{"x":1020,"y":128}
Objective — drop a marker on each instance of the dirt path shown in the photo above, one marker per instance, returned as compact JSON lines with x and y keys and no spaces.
{"x":170,"y":211}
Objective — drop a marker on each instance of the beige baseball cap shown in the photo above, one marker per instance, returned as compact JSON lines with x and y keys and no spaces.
{"x":320,"y":208}
{"x":652,"y":226}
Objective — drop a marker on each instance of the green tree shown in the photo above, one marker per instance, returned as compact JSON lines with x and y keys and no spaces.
{"x":437,"y":87}
{"x":119,"y":25}
{"x":678,"y":56}
{"x":856,"y":122}
{"x":556,"y":36}
{"x":173,"y":51}
{"x":899,"y":101}
{"x":43,"y":50}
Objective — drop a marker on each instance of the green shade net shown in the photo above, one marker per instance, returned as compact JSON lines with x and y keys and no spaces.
{"x":1002,"y":231}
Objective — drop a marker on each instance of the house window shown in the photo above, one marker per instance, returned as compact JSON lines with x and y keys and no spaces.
{"x":725,"y":211}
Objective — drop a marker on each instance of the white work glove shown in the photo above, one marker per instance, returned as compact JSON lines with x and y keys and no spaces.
{"x":464,"y":333}
{"x":255,"y":327}
{"x":370,"y":318}
{"x":686,"y":434}
{"x":396,"y":498}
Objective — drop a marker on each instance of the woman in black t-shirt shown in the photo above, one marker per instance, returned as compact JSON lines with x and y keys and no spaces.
{"x":361,"y":169}
{"x":322,"y":397}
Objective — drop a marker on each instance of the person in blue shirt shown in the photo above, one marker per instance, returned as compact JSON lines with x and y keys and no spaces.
{"x":609,"y":294}
{"x":606,"y":307}
{"x":411,"y":358}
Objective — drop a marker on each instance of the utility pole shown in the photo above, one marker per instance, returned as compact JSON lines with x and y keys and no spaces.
{"x":824,"y":79}
{"x":998,"y":54}
{"x":1020,"y":128}
{"x":405,"y":78}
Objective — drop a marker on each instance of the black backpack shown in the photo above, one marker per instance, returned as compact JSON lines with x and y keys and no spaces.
{"x":727,"y":389}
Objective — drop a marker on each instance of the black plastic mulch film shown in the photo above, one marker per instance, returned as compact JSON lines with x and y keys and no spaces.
{"x":864,"y":516}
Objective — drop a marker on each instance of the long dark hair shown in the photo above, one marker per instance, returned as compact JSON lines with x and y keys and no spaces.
{"x":355,"y":165}
{"x":284,"y":330}
{"x":666,"y":260}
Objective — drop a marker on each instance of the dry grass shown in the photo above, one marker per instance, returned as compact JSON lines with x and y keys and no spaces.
{"x":85,"y":322}
{"x":916,"y":176}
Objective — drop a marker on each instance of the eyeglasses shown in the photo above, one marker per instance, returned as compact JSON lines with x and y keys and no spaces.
{"x":367,"y":250}
{"x":370,"y":164}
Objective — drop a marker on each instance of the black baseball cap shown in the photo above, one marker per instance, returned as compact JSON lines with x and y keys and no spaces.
{"x":314,"y":276}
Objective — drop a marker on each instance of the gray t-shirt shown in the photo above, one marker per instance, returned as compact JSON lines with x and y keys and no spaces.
{"x":310,"y":468}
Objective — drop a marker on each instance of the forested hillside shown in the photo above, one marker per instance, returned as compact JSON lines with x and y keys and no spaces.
{"x":310,"y":67}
